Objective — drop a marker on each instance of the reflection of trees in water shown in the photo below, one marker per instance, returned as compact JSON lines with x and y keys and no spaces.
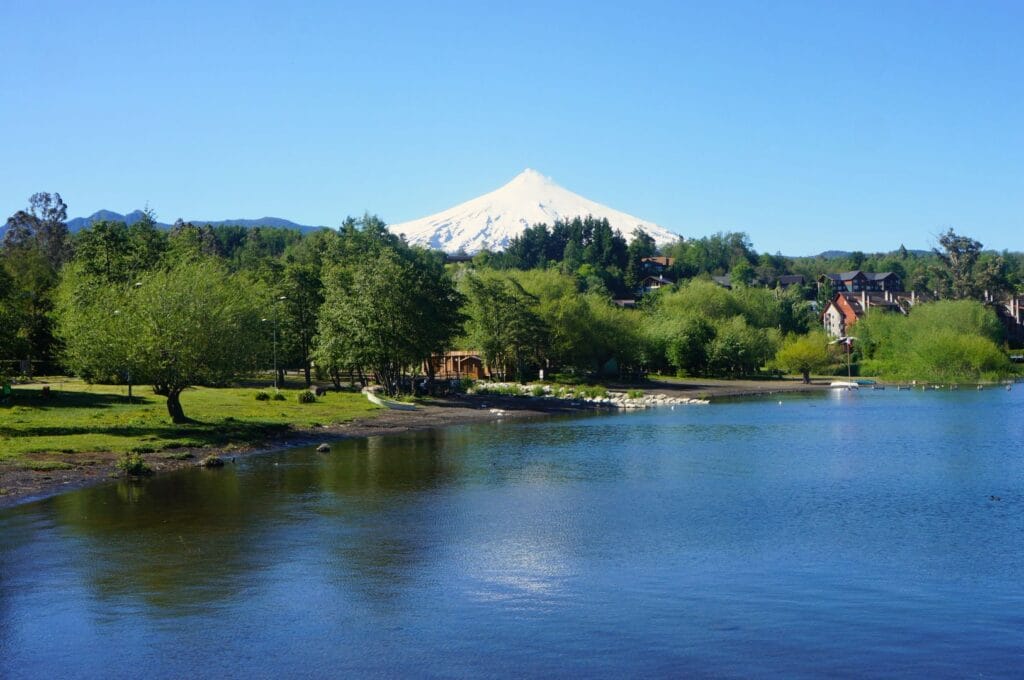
{"x":186,"y":541}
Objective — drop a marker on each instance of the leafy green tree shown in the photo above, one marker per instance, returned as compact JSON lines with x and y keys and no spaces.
{"x":303,"y":295}
{"x":191,"y":324}
{"x":35,"y":245}
{"x":964,"y":273}
{"x":388,"y":313}
{"x":505,"y":324}
{"x":944,"y":341}
{"x":804,"y":354}
{"x":642,"y":245}
{"x":741,"y":275}
{"x":689,"y":347}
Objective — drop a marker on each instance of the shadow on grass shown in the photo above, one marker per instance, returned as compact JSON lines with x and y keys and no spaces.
{"x":58,"y":399}
{"x":194,"y":434}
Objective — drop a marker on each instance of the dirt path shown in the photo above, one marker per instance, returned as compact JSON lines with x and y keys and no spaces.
{"x":20,"y":485}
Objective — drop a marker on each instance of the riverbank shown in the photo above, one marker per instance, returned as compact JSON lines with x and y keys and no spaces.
{"x":68,"y":471}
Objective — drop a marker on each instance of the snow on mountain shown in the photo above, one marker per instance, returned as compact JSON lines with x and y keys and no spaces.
{"x":494,"y":219}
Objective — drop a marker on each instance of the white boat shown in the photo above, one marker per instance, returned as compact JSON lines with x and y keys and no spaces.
{"x":387,"y":403}
{"x":845,"y":384}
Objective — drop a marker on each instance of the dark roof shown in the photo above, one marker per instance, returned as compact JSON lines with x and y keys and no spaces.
{"x":658,"y":279}
{"x":790,"y":279}
{"x":723,"y":281}
{"x":846,"y":276}
{"x":878,"y":276}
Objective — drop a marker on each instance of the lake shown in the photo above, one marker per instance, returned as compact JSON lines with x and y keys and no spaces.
{"x":877,"y":533}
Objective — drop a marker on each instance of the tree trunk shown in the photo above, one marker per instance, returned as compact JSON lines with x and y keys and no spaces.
{"x":807,"y":377}
{"x":308,"y":380}
{"x":174,"y":407}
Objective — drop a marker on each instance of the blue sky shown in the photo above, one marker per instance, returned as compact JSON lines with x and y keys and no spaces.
{"x":811,"y":126}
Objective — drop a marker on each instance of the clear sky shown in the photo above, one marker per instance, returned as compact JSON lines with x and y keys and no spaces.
{"x":810,"y":125}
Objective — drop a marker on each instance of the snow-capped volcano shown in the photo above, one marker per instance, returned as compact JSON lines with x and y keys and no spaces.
{"x":494,"y":219}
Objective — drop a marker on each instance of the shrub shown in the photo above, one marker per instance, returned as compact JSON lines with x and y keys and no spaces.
{"x":278,"y":396}
{"x":306,"y":397}
{"x":537,"y":390}
{"x":262,"y":395}
{"x":635,"y":394}
{"x":591,"y":392}
{"x":133,"y":464}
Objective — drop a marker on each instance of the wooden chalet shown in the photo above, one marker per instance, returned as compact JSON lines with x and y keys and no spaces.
{"x":857,"y":281}
{"x":458,"y":364}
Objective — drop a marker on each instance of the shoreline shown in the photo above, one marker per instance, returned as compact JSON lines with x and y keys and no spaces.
{"x":22,"y":485}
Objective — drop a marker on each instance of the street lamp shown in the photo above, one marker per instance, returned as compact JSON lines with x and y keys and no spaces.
{"x":128,"y":367}
{"x":276,"y":374}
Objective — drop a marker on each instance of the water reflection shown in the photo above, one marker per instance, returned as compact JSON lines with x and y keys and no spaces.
{"x":601,"y":546}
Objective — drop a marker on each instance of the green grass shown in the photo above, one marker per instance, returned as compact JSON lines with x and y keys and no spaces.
{"x":79,"y":418}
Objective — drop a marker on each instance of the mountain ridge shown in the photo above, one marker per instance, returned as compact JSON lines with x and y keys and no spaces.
{"x":79,"y":223}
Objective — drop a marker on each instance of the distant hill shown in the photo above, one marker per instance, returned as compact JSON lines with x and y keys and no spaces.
{"x":79,"y":223}
{"x":837,"y":254}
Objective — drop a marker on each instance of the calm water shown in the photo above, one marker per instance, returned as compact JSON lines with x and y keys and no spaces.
{"x":841,"y":535}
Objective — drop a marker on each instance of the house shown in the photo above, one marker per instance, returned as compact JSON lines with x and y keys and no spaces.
{"x":787,"y":280}
{"x":1011,"y":313}
{"x":654,"y":283}
{"x":656,"y":265}
{"x":458,"y":364}
{"x":857,"y":281}
{"x":723,"y":281}
{"x":625,"y":303}
{"x":844,"y":309}
{"x":883,"y":282}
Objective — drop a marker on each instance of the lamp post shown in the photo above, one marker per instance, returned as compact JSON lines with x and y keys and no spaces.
{"x":276,"y":374}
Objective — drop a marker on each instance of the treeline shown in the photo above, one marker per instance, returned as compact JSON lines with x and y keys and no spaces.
{"x":197,"y":304}
{"x":607,"y":262}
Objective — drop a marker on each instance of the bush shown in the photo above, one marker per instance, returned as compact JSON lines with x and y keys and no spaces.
{"x":306,"y":397}
{"x":278,"y":396}
{"x":133,"y":464}
{"x":262,"y":395}
{"x":537,"y":390}
{"x":635,"y":394}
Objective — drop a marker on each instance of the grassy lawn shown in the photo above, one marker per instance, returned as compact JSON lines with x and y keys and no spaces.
{"x":80,"y":418}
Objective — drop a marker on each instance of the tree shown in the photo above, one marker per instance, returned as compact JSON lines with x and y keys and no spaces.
{"x":505,"y":324}
{"x":804,"y":354}
{"x":35,"y":246}
{"x":303,"y":295}
{"x":388,"y":313}
{"x":192,"y":324}
{"x":962,"y":270}
{"x":640,"y":247}
{"x":741,"y":275}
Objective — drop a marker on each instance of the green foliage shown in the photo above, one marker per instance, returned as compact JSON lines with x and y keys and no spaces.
{"x":537,"y":391}
{"x":387,"y":307}
{"x":945,"y":341}
{"x":804,"y":354}
{"x":306,"y":397}
{"x":705,"y":329}
{"x":133,"y":464}
{"x":262,"y":395}
{"x":634,"y":394}
{"x":279,"y":396}
{"x":193,"y":324}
